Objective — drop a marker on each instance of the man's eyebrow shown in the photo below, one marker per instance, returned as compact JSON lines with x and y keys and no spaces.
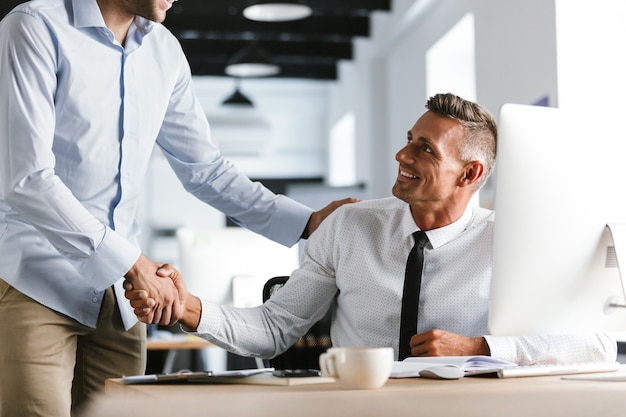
{"x":425,"y":140}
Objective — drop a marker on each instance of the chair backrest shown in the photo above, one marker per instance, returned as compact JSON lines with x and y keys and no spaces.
{"x":305,"y":352}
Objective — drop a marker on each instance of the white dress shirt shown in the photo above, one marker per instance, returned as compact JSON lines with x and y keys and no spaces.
{"x":79,"y":117}
{"x":355,"y":263}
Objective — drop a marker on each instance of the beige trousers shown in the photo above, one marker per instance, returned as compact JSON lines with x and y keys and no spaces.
{"x":50,"y":364}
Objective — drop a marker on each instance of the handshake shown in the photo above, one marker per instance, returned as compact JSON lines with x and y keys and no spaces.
{"x":159,"y":295}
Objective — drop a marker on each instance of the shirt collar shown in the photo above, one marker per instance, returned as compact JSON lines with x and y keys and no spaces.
{"x":441,"y":236}
{"x":87,"y":14}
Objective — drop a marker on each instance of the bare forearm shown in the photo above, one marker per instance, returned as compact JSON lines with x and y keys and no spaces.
{"x":193,"y":313}
{"x":481,"y":346}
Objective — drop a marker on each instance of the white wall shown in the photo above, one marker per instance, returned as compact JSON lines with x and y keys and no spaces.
{"x":283,"y":136}
{"x":592,"y":58}
{"x":386,"y":83}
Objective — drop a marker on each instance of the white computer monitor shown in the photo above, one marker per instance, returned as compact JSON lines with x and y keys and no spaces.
{"x":560,"y":179}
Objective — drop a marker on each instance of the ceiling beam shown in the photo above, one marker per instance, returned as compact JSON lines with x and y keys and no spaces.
{"x":320,"y":7}
{"x":222,"y":50}
{"x":325,"y":72}
{"x":238,"y":27}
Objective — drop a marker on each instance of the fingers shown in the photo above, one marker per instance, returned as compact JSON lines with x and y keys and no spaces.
{"x":429,"y":343}
{"x":139,"y":298}
{"x":335,"y":205}
{"x":177,"y":312}
{"x":419,"y":345}
{"x":178,"y":306}
{"x":155,"y":300}
{"x":437,"y":342}
{"x":349,"y":200}
{"x":166,"y":271}
{"x":163,"y":313}
{"x":318,"y":217}
{"x":144,"y":316}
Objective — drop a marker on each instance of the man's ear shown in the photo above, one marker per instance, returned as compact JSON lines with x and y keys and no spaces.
{"x":472,"y":172}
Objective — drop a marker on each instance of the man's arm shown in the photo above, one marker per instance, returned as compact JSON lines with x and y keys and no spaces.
{"x":554,"y":349}
{"x":523,"y":350}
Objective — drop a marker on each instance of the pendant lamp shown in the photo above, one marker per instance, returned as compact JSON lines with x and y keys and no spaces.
{"x":277,"y":10}
{"x":251,"y":61}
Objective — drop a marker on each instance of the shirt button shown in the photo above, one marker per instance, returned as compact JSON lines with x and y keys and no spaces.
{"x":95,"y":299}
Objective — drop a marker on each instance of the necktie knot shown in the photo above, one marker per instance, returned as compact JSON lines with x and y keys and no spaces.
{"x":420,"y":238}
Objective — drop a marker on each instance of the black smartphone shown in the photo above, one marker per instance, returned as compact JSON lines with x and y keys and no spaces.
{"x":290,"y":373}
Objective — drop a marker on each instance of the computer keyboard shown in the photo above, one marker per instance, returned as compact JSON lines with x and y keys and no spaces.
{"x":545,"y":370}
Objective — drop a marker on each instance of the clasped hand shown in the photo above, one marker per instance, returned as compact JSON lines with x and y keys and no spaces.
{"x":156,"y":292}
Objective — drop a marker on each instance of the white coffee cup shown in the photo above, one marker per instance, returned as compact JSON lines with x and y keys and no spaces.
{"x":358,"y":368}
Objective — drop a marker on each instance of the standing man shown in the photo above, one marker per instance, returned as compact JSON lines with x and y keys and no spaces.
{"x":87,"y":87}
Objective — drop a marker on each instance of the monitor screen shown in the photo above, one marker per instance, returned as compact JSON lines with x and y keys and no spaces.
{"x":559,"y":182}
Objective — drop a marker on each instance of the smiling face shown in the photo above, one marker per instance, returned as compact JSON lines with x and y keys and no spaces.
{"x":431,"y":175}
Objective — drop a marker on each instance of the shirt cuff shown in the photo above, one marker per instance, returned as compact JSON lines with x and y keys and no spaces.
{"x":211,"y":318}
{"x":289,"y":226}
{"x":502,"y":348}
{"x":110,"y":262}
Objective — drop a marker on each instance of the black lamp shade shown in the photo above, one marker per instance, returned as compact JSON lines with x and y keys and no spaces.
{"x":237,"y":98}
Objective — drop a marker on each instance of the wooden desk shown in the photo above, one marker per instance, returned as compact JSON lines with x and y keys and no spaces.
{"x":472,"y":396}
{"x":183,"y":342}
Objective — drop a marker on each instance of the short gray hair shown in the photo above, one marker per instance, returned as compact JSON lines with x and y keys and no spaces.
{"x":481,"y":130}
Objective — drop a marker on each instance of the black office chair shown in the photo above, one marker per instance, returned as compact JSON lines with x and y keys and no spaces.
{"x":305,"y":352}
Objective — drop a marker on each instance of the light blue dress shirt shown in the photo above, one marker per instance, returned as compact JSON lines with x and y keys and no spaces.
{"x":355,"y":263}
{"x":79,"y":117}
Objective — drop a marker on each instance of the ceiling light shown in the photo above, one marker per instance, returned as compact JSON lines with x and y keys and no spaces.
{"x":251,"y":61}
{"x":277,"y":11}
{"x":237,"y":98}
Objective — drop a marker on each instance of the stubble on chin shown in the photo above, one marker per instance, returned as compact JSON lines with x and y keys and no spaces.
{"x":397,"y":192}
{"x":151,"y":12}
{"x":157,"y":16}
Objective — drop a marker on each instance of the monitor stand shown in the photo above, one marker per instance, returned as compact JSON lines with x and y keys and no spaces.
{"x":618,"y":234}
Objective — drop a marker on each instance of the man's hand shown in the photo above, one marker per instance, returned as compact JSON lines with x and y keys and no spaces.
{"x":318,"y":216}
{"x":441,"y":343}
{"x":161,"y":297}
{"x":187,"y":311}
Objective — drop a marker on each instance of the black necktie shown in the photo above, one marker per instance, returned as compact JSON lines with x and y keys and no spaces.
{"x":411,"y":294}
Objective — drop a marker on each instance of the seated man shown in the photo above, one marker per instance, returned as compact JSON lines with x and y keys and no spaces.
{"x":356,"y":262}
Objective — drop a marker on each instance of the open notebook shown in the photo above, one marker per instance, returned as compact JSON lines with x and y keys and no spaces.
{"x":487,"y":365}
{"x":472,"y":365}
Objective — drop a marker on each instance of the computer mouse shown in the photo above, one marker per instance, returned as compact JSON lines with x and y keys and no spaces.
{"x":442,"y":372}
